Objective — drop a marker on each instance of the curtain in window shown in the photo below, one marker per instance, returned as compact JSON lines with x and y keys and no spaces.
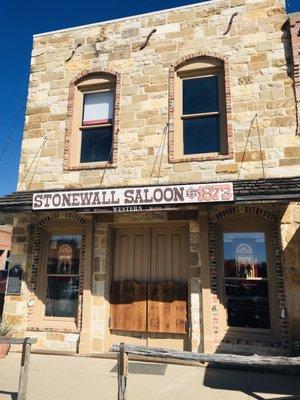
{"x":98,"y":108}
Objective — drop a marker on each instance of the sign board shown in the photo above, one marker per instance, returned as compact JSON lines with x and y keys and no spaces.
{"x":14,"y":282}
{"x":135,"y":196}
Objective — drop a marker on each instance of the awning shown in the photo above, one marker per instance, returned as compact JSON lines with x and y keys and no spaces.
{"x":271,"y":189}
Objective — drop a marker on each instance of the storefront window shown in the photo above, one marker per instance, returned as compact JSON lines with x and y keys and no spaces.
{"x":62,"y":276}
{"x":246,"y":280}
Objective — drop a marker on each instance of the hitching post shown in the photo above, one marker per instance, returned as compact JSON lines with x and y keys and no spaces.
{"x":122,"y":372}
{"x":26,"y":349}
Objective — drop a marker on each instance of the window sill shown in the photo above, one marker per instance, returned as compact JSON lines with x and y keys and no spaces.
{"x":99,"y":165}
{"x":201,"y":157}
{"x":56,"y":324}
{"x":251,"y":334}
{"x":52,"y":329}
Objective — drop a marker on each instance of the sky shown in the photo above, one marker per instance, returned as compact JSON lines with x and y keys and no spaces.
{"x":19,"y":20}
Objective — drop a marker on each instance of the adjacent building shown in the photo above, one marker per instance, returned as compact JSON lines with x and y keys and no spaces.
{"x":5,"y":243}
{"x":159,"y":183}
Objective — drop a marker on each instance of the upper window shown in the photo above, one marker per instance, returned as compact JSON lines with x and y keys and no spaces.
{"x":201,"y":115}
{"x":97,"y":126}
{"x":91,"y":139}
{"x":200,"y":126}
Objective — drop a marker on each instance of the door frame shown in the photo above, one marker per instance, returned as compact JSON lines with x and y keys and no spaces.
{"x":187,"y":337}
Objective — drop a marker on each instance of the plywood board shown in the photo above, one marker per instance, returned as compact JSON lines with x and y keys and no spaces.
{"x":128,"y":306}
{"x":167,"y":307}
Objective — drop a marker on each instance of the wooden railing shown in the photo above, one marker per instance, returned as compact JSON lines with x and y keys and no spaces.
{"x":24,"y":368}
{"x":229,"y":360}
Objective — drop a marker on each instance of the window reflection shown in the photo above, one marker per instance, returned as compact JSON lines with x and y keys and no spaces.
{"x":62,"y":296}
{"x":62,"y":276}
{"x":246,"y":283}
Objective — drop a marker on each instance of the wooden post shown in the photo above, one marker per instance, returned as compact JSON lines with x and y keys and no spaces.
{"x":122,"y":372}
{"x":26,"y":349}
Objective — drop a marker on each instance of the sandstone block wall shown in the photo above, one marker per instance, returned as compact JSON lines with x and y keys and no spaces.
{"x":295,"y":36}
{"x":256,"y":47}
{"x":290,"y":233}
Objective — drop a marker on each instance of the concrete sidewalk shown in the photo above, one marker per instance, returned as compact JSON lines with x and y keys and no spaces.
{"x":77,"y":378}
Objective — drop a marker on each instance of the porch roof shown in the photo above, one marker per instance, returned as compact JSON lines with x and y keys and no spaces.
{"x":270,"y":189}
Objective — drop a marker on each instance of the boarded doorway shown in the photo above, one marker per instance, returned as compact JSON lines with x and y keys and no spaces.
{"x":149,"y":286}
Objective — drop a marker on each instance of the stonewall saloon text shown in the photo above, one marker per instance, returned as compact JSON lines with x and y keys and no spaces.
{"x":136,"y":196}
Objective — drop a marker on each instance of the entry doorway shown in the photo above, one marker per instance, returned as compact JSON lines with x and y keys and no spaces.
{"x":149,"y":295}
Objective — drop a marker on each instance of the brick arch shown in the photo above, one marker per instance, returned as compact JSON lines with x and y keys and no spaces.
{"x":88,"y":73}
{"x":111,"y":75}
{"x":283,"y":341}
{"x":244,"y":209}
{"x":56,"y":216}
{"x":201,"y":55}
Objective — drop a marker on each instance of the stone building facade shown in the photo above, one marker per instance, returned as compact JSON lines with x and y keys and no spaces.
{"x":147,"y":62}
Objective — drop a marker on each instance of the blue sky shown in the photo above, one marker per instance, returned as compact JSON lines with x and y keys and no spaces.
{"x":19,"y":20}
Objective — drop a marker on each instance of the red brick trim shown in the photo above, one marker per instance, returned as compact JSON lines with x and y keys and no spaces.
{"x":116,"y":78}
{"x":36,"y":257}
{"x":172,"y":74}
{"x":283,"y":343}
{"x":295,"y":36}
{"x":64,"y":215}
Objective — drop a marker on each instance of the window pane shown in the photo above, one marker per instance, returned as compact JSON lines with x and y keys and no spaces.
{"x":201,"y":135}
{"x":245,"y":255}
{"x":200,"y":95}
{"x":64,"y":254}
{"x":98,"y":108}
{"x":96,"y":144}
{"x":247,"y":303}
{"x":245,"y":265}
{"x":62,"y":296}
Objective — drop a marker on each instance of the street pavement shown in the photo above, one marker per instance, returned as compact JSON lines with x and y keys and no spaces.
{"x":54,"y":377}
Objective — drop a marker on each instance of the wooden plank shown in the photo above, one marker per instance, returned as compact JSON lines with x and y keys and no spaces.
{"x":5,"y":340}
{"x":128,"y":306}
{"x":167,"y":307}
{"x":222,"y":359}
{"x":23,"y":381}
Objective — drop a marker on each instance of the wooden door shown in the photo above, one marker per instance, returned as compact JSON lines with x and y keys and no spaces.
{"x":130,"y":275}
{"x":152,"y":259}
{"x":168,"y":254}
{"x":167,"y":292}
{"x":131,"y":255}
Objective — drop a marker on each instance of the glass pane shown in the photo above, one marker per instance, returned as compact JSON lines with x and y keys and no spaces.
{"x":98,"y":108}
{"x":62,"y":296}
{"x":245,"y":255}
{"x":201,"y":135}
{"x":247,"y":303}
{"x":200,"y":95}
{"x":96,"y":144}
{"x":64,"y":254}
